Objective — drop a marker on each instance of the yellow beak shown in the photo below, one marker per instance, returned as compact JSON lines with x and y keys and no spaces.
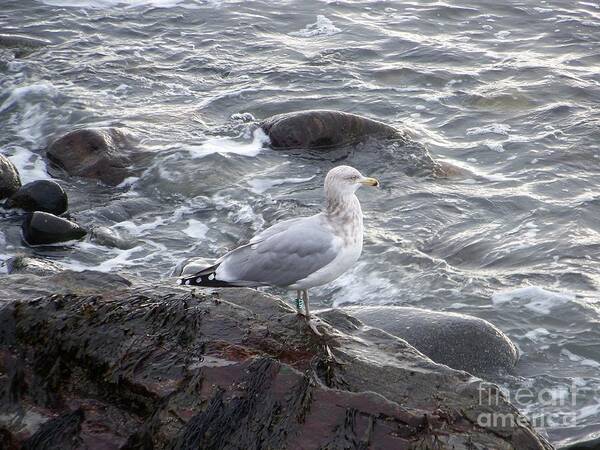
{"x":369,"y":182}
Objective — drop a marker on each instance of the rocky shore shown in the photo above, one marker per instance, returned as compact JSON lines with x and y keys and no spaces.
{"x":94,"y":360}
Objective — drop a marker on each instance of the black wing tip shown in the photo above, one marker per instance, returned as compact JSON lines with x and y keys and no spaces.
{"x":203,"y":280}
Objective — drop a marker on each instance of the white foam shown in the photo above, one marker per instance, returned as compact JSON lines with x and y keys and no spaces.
{"x":243,"y":117}
{"x":588,"y":411}
{"x":31,"y":166}
{"x":260,"y":185}
{"x":127,"y":182}
{"x":29,"y":113}
{"x":139,"y":229}
{"x":100,"y":4}
{"x":579,"y":359}
{"x":196,"y":229}
{"x":230,"y":146}
{"x":534,"y":335}
{"x":502,"y":34}
{"x":494,"y":128}
{"x":20,"y":94}
{"x":322,"y":27}
{"x":538,"y":300}
{"x":353,"y":287}
{"x":495,"y":146}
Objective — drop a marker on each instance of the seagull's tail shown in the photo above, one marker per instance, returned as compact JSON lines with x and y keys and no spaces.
{"x":206,"y":277}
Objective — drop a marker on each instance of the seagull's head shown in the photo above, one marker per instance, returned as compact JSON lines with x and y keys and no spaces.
{"x":346,"y":180}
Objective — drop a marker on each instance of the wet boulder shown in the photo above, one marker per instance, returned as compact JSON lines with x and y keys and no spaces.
{"x":40,"y":228}
{"x":321,"y":129}
{"x":459,"y":341}
{"x":166,"y":367}
{"x":10,"y":182}
{"x":110,"y":238}
{"x":102,"y":154}
{"x":42,"y":195}
{"x":33,"y":265}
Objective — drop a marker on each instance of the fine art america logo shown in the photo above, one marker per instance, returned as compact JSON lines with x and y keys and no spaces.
{"x":554,"y":407}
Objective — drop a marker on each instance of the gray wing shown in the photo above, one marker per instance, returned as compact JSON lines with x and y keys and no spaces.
{"x":281,"y":255}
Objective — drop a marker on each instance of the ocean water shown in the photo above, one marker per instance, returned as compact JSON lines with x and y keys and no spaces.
{"x":508,"y":91}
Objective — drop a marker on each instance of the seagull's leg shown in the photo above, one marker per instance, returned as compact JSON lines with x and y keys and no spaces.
{"x":299,"y":302}
{"x":310,"y":322}
{"x":306,"y":307}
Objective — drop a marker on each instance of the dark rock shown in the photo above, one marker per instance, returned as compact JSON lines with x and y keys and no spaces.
{"x":164,"y":368}
{"x":10,"y":182}
{"x":41,"y":195}
{"x":40,"y":228}
{"x":101,"y":154}
{"x":459,"y":341}
{"x":324,"y":129}
{"x":28,"y":264}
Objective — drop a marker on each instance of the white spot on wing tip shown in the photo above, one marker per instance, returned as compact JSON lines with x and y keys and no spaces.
{"x":211,"y":276}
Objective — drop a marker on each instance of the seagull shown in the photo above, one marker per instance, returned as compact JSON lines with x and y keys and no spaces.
{"x":299,"y":253}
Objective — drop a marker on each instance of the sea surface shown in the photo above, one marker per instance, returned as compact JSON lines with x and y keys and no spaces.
{"x":508,"y":91}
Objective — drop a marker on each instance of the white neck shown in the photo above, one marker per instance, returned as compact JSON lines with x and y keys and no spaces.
{"x":345,"y":212}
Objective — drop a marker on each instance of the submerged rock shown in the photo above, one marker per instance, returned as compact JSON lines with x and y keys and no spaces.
{"x":42,"y":195}
{"x":110,"y":238}
{"x":164,"y":367}
{"x":316,"y":129}
{"x":21,"y":45}
{"x":344,"y":132}
{"x":32,"y":265}
{"x":459,"y":341}
{"x":100,"y":153}
{"x":10,"y":182}
{"x":40,"y":228}
{"x":20,"y":41}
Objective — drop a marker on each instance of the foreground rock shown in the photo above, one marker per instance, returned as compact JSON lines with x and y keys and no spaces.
{"x":10,"y":182}
{"x":456,"y":340}
{"x":42,"y":195}
{"x":104,"y":365}
{"x":40,"y":228}
{"x":35,"y":266}
{"x":101,"y":154}
{"x":316,"y":129}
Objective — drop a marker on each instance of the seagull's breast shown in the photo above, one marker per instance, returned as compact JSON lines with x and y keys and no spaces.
{"x":348,"y":232}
